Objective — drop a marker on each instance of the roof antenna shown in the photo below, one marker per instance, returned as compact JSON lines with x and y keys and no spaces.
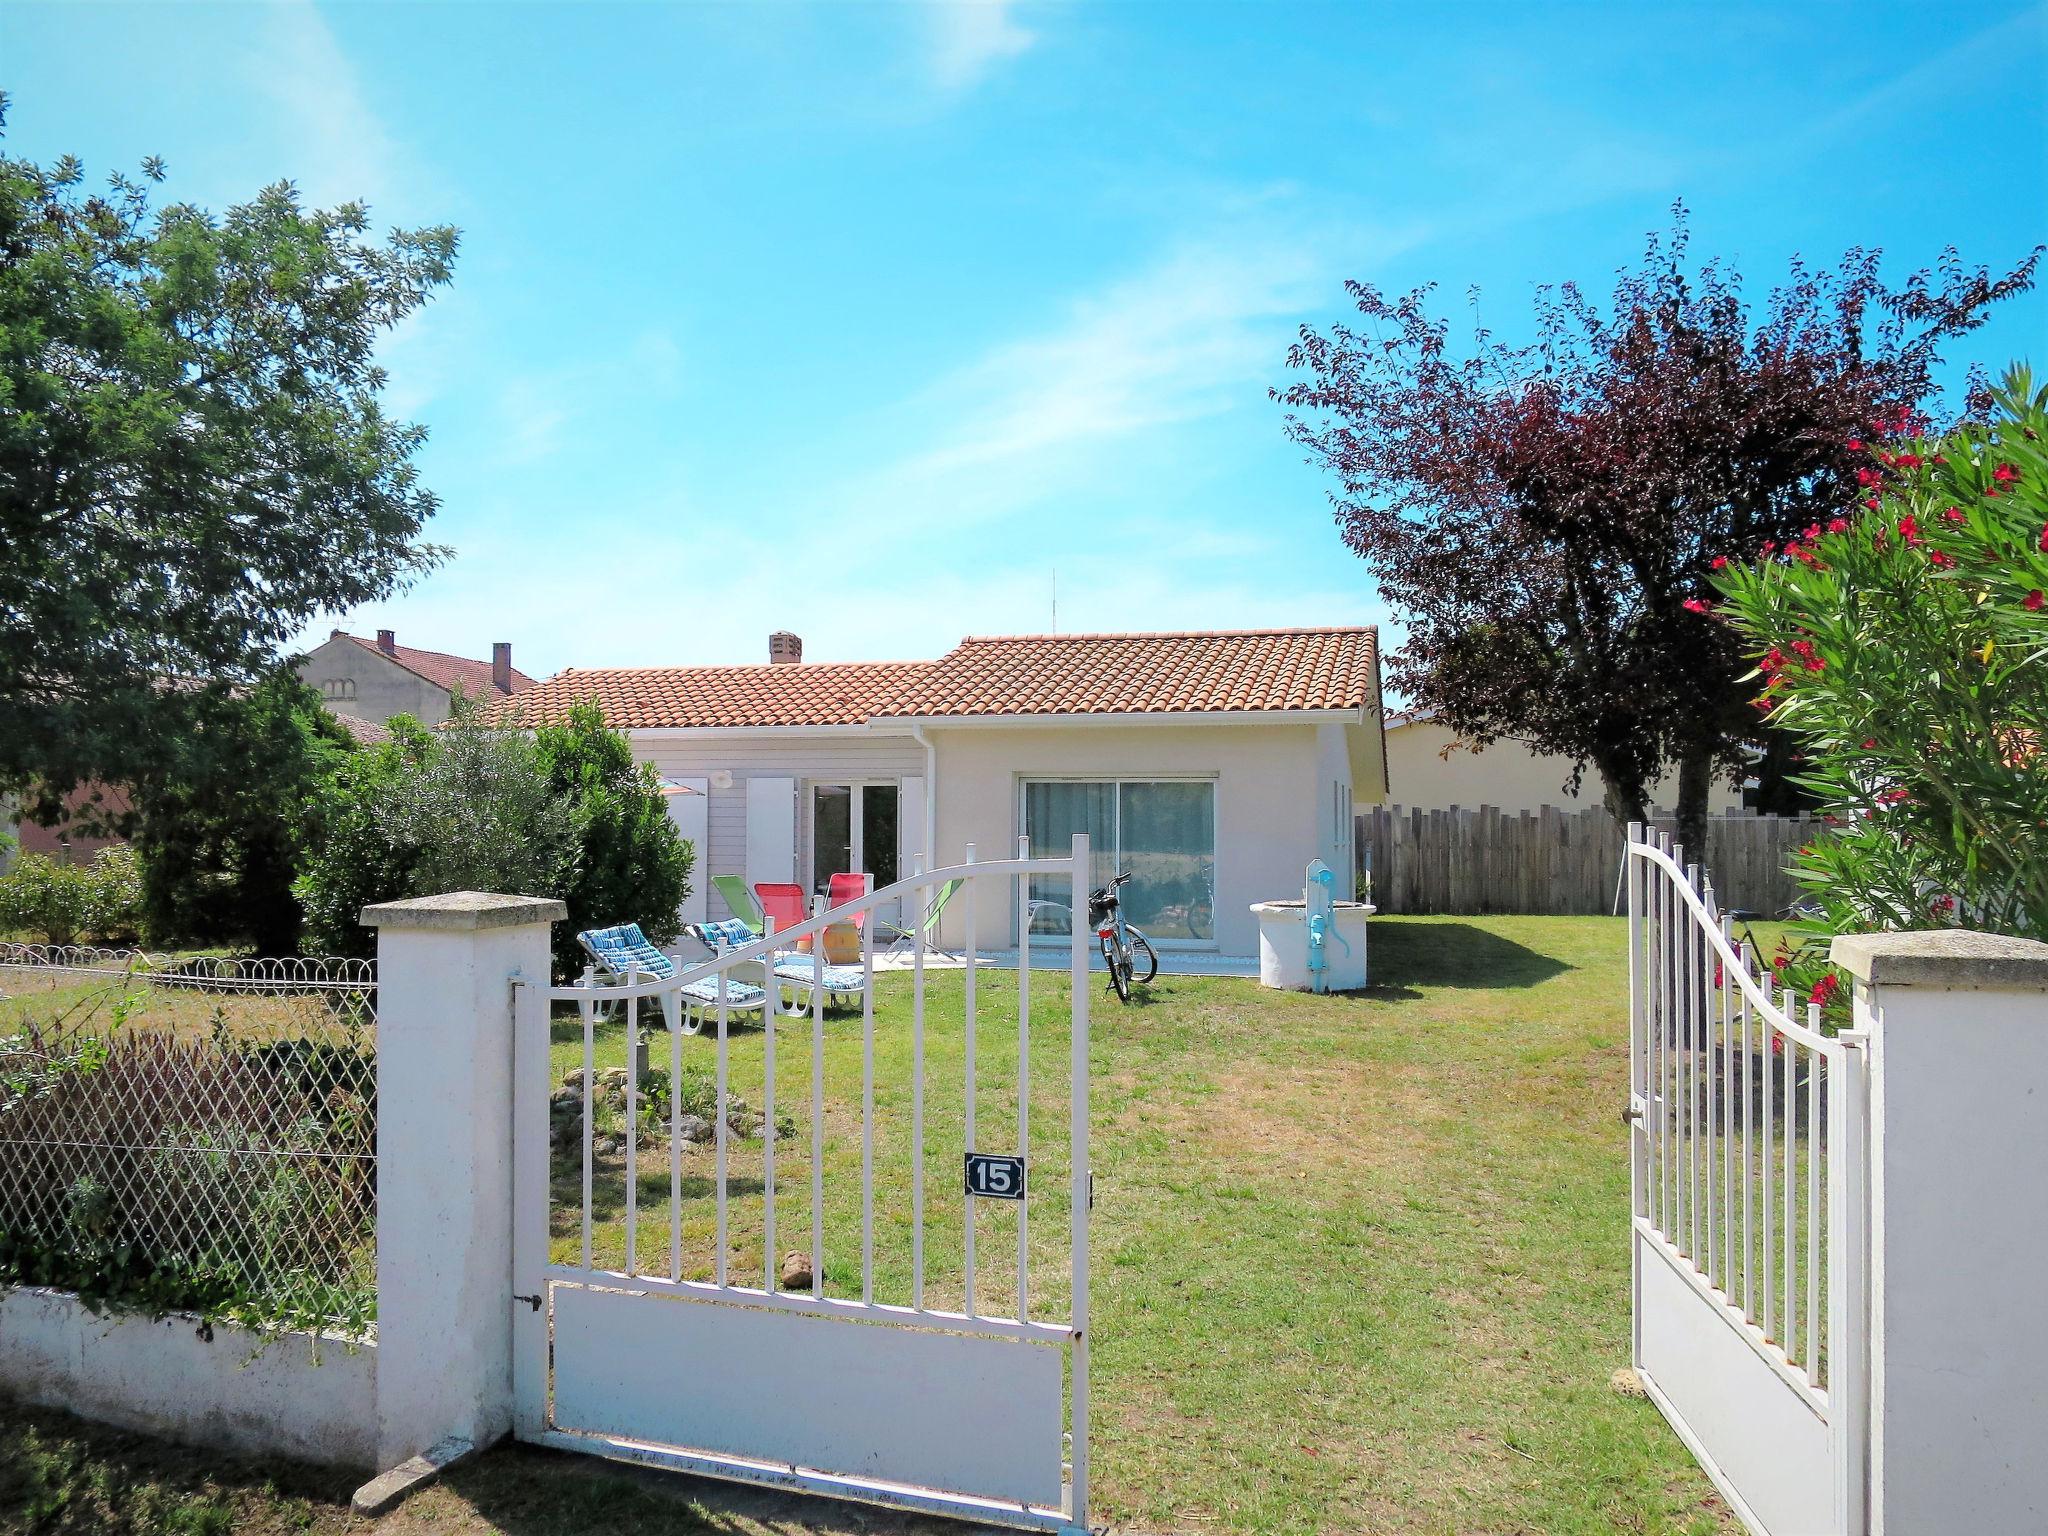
{"x":1055,"y":599}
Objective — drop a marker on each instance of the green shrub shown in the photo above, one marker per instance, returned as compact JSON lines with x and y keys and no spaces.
{"x":1905,"y":644}
{"x":60,"y":903}
{"x":632,"y":867}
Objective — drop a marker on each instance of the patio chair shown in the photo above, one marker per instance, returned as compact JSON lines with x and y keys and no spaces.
{"x":928,"y":926}
{"x":623,"y":950}
{"x":740,"y":901}
{"x":793,"y":973}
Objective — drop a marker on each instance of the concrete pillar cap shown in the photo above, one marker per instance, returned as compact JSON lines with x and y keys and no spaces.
{"x":1957,"y":958}
{"x":465,"y":912}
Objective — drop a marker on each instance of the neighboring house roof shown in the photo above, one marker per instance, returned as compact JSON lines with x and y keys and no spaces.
{"x":1195,"y":672}
{"x":1243,"y":671}
{"x":471,"y":677}
{"x":368,"y":733}
{"x":683,"y":698}
{"x":1423,"y":715}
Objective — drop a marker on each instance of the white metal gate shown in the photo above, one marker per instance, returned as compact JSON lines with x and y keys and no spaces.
{"x":911,"y":1372}
{"x":1748,"y":1172}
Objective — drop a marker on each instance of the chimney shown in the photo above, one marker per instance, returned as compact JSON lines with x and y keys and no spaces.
{"x":387,"y":641}
{"x":785,"y":649}
{"x":501,"y":666}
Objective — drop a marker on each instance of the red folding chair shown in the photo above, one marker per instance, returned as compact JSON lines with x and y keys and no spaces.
{"x":843,"y":940}
{"x":784,"y":904}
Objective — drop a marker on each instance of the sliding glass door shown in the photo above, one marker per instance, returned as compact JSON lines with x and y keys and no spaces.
{"x":1161,"y":830}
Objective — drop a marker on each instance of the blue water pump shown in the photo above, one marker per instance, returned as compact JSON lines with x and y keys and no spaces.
{"x":1319,"y":901}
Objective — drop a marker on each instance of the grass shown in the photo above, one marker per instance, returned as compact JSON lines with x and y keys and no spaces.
{"x":1360,"y":1264}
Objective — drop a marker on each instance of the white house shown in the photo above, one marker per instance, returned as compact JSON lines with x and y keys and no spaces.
{"x":1214,"y":766}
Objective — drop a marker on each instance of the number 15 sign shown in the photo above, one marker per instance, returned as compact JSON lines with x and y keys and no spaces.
{"x":995,"y":1178}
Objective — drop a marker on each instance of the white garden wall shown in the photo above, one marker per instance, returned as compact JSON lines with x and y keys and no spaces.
{"x":220,"y":1387}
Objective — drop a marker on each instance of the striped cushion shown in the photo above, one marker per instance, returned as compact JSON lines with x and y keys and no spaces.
{"x":737,"y":993}
{"x":730,"y":934}
{"x":626,"y":948}
{"x":838,"y":978}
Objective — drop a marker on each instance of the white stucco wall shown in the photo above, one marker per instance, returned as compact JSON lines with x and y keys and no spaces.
{"x":1268,"y":800}
{"x":1506,"y":774}
{"x":233,"y":1392}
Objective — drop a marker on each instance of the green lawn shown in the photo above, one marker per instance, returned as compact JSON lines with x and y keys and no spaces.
{"x":1360,"y":1264}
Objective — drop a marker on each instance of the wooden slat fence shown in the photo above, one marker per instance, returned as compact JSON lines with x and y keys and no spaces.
{"x":1561,"y":863}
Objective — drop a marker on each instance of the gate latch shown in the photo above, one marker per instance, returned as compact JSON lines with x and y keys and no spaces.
{"x":531,"y":1301}
{"x":1632,"y":1112}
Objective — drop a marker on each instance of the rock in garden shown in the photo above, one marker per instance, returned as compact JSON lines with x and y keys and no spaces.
{"x":613,"y":1077}
{"x":695,"y":1128}
{"x":796,"y":1271}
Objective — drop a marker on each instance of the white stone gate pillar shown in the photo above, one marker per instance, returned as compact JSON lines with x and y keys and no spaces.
{"x":1958,"y":1228}
{"x":444,"y":1161}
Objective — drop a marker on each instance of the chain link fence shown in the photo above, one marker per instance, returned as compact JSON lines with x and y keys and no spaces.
{"x":199,"y":1134}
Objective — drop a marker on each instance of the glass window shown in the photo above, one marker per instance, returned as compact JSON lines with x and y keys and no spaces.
{"x":1166,"y":836}
{"x":831,"y":833}
{"x":1053,"y":813}
{"x":1163,"y":832}
{"x":878,"y":831}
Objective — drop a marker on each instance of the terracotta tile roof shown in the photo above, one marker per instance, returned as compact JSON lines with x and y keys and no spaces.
{"x":367,"y":733}
{"x":1212,"y":672}
{"x":445,"y":671}
{"x":673,"y":698}
{"x":1195,"y":672}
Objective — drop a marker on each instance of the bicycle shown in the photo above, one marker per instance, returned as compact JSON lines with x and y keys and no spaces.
{"x":1121,"y":943}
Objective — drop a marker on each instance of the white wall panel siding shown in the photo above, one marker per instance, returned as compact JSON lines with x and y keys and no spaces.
{"x":799,"y":757}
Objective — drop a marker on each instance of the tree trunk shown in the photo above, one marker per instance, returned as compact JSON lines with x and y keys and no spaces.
{"x":1625,"y":804}
{"x":1695,"y":778}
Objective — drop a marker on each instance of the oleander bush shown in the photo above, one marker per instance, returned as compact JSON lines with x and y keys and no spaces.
{"x":1905,"y":643}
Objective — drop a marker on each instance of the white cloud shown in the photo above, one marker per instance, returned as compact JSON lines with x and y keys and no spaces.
{"x":340,"y":150}
{"x":970,"y":37}
{"x":1196,"y":333}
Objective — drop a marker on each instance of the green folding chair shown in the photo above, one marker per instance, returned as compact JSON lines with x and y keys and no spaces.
{"x":930,"y":926}
{"x":740,"y":899}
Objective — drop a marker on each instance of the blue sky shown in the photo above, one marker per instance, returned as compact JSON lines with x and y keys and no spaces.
{"x":862,"y":320}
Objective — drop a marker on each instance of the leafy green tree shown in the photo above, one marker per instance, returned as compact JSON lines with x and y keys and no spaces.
{"x":633,"y":866}
{"x":193,"y":457}
{"x":1904,"y":642}
{"x":222,"y":831}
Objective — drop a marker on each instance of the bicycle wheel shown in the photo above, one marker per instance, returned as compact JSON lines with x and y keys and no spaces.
{"x":1142,"y":957}
{"x":1198,"y":919}
{"x":1119,"y":971}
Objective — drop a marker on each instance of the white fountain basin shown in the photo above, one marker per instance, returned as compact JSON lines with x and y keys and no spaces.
{"x":1283,"y":945}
